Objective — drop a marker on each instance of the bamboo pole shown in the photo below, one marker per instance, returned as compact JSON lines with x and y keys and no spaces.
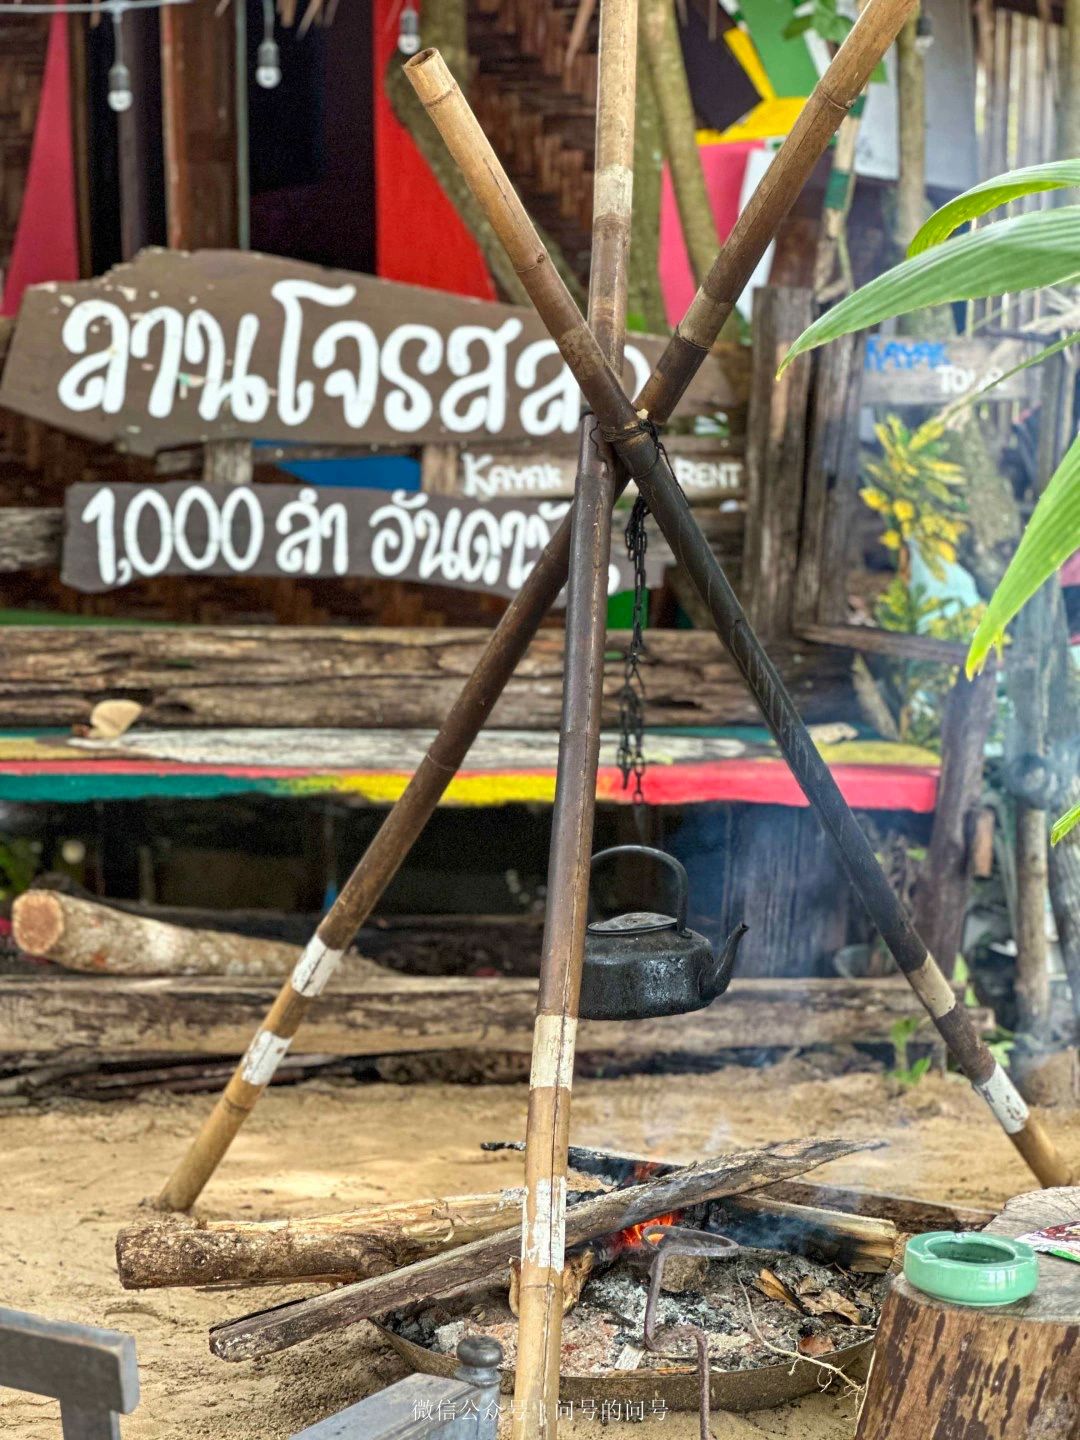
{"x":542,"y":1274}
{"x":663,"y":54}
{"x":647,"y":464}
{"x":837,"y":89}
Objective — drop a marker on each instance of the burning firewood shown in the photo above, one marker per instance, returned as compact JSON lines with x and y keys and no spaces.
{"x":270,"y":1330}
{"x":861,"y":1241}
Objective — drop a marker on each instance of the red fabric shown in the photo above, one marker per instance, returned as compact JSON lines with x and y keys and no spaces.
{"x":724,"y":165}
{"x":420,"y":238}
{"x":46,"y":241}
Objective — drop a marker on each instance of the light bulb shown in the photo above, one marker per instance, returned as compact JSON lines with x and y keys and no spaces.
{"x":268,"y":66}
{"x":924,"y":34}
{"x":119,"y":88}
{"x":408,"y":40}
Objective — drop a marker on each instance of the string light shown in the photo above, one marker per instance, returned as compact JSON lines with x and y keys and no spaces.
{"x":408,"y":41}
{"x":119,"y":93}
{"x":268,"y":59}
{"x":924,"y":33}
{"x":120,"y":96}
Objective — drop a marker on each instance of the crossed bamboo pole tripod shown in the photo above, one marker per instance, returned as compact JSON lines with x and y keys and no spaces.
{"x":618,"y":443}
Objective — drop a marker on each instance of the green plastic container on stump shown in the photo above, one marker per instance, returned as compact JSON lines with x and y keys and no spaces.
{"x":971,"y":1269}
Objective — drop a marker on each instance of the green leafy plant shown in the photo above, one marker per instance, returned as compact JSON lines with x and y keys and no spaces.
{"x":918,"y":689}
{"x":824,"y":19}
{"x":917,"y":494}
{"x":1000,"y":1042}
{"x":18,"y":866}
{"x":903,"y":1072}
{"x":1012,"y":255}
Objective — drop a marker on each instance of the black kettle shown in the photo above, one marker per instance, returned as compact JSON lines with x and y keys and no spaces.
{"x":644,"y":964}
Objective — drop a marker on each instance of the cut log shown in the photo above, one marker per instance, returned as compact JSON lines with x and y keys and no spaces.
{"x":859,"y":1242}
{"x":268,"y":1331}
{"x":82,"y":935}
{"x":872,"y":640}
{"x":373,"y":1011}
{"x":349,"y":1246}
{"x":978,"y":1373}
{"x":908,"y":1213}
{"x":370,"y":678}
{"x":450,"y":944}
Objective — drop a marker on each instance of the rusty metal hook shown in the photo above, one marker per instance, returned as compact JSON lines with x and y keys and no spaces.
{"x":675,"y":1240}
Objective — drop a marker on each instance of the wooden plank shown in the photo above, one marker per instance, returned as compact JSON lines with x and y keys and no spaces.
{"x":378,"y":1012}
{"x":92,"y":1372}
{"x":842,"y":504}
{"x":871,"y":641}
{"x":29,"y":538}
{"x":371,"y":678}
{"x":290,"y":349}
{"x":831,"y":422}
{"x":905,"y":370}
{"x":775,"y":451}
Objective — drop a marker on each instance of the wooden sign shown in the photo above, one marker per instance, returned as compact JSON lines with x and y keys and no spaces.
{"x":705,"y":470}
{"x":176,"y":349}
{"x":900,"y":370}
{"x":117,"y":534}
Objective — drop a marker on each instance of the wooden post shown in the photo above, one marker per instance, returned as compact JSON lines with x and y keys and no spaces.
{"x":845,"y":77}
{"x":663,"y":55}
{"x":775,"y":460}
{"x":1028,"y":672}
{"x":831,"y":479}
{"x":911,"y":136}
{"x":227,"y":462}
{"x":199,"y":120}
{"x":941,"y":896}
{"x":541,"y":1280}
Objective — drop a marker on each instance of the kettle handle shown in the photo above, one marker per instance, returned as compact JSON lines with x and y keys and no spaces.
{"x":682,"y":880}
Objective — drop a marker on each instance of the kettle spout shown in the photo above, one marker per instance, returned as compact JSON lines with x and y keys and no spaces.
{"x":725,"y":965}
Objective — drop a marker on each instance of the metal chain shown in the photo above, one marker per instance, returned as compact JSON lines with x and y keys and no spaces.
{"x":631,"y":757}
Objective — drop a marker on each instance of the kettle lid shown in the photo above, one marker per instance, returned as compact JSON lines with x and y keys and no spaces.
{"x":634,"y":922}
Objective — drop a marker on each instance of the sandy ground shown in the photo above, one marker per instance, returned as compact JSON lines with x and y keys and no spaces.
{"x":72,"y":1175}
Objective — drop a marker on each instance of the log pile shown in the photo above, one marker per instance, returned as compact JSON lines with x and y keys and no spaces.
{"x":369,"y":678}
{"x":130,"y":999}
{"x":355,"y":1245}
{"x":609,"y":1212}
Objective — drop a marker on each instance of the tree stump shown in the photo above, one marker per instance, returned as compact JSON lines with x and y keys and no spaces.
{"x":951,"y":1372}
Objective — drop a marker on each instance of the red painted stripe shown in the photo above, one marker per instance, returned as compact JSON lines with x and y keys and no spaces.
{"x":770,"y":782}
{"x":751,"y":782}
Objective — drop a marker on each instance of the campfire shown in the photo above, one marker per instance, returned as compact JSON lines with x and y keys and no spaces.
{"x":760,"y":1306}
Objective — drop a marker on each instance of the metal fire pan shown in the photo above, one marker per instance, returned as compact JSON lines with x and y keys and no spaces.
{"x":675,"y":1386}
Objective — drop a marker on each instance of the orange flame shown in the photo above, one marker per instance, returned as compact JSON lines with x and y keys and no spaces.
{"x":633,"y":1237}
